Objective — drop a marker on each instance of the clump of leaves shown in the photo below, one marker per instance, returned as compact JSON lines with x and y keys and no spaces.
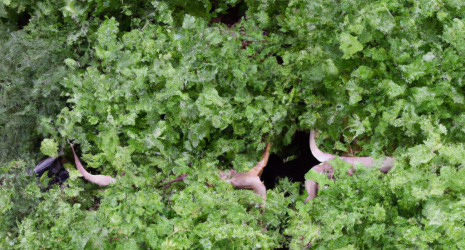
{"x":251,"y":178}
{"x":49,"y":147}
{"x":30,"y":72}
{"x":157,"y":90}
{"x":101,"y":180}
{"x":19,"y":196}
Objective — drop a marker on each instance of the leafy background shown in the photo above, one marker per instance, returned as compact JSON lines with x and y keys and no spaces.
{"x":151,"y":90}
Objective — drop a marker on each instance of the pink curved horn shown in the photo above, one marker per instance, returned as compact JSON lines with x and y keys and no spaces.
{"x":101,"y":180}
{"x":317,"y":153}
{"x":368,"y":161}
{"x":312,"y":187}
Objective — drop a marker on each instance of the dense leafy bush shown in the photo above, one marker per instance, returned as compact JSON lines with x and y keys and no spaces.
{"x":31,"y":69}
{"x":151,"y":90}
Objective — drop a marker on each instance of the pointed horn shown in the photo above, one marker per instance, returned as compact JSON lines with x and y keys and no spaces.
{"x":101,"y":180}
{"x":258,"y":169}
{"x":318,"y":154}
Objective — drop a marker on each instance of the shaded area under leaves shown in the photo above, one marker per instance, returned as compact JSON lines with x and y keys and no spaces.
{"x":294,"y":169}
{"x":232,"y":15}
{"x":56,"y":171}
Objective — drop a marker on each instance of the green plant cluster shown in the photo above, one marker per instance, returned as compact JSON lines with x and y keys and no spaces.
{"x":154,"y":89}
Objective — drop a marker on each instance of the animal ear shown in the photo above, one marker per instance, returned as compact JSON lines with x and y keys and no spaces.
{"x":225,"y":175}
{"x":259,"y":188}
{"x":250,"y":179}
{"x":312,"y":186}
{"x":312,"y":189}
{"x":386,"y":165}
{"x":258,"y":169}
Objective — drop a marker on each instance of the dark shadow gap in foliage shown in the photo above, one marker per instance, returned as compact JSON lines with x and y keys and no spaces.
{"x":55,"y":171}
{"x":23,"y":20}
{"x":20,"y":19}
{"x":232,"y":16}
{"x":294,"y":169}
{"x":279,"y":60}
{"x":96,"y":206}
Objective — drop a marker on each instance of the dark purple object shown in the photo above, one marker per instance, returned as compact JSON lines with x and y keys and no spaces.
{"x":179,"y":178}
{"x":56,"y":171}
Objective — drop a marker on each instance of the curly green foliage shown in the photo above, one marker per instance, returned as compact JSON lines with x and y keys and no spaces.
{"x":407,"y":208}
{"x":404,"y":89}
{"x":364,"y":59}
{"x":138,"y":212}
{"x":357,"y":210}
{"x":158,"y":95}
{"x":174,"y":94}
{"x":32,"y":59}
{"x":157,"y":90}
{"x":49,"y":147}
{"x":19,"y":196}
{"x":30,"y":72}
